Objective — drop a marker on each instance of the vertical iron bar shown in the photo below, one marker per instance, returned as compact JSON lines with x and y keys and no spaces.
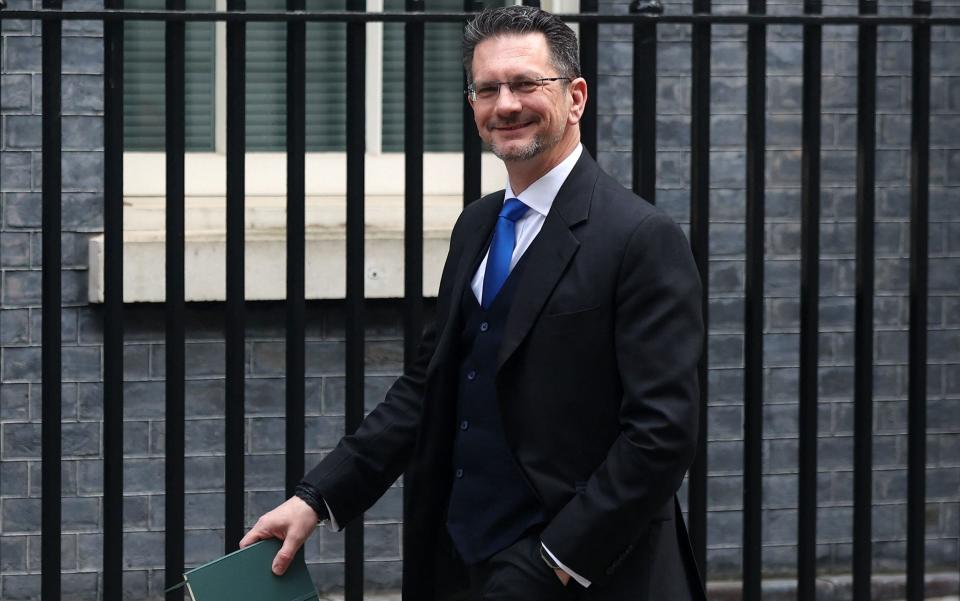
{"x":413,"y":164}
{"x":863,"y":336}
{"x":809,"y":307}
{"x":588,"y":67}
{"x":644,"y":161}
{"x":50,"y":307}
{"x":753,"y":306}
{"x":356,"y":134}
{"x":234,"y":334}
{"x":296,"y":232}
{"x":919,"y":215}
{"x":413,"y":205}
{"x":471,"y":139}
{"x":175,"y":305}
{"x":700,"y":243}
{"x":113,"y":306}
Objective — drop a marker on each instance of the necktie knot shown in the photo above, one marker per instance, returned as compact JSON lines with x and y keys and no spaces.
{"x":513,"y":209}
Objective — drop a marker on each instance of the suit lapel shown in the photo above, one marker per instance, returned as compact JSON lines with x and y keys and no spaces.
{"x":549,"y":254}
{"x":477,"y":234}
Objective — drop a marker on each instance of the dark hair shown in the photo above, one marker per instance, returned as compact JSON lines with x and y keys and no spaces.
{"x":564,"y":50}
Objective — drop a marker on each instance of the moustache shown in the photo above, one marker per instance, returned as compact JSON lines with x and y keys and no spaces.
{"x":510,"y":122}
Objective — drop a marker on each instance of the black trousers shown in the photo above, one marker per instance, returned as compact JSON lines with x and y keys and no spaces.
{"x":518,"y":573}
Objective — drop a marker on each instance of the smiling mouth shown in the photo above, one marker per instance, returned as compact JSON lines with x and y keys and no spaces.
{"x":511,"y":126}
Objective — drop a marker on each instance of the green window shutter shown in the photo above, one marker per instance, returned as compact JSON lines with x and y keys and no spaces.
{"x":144,"y":108}
{"x":267,"y":77}
{"x":443,"y":80}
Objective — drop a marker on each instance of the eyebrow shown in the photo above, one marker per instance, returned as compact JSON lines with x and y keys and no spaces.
{"x":525,"y":75}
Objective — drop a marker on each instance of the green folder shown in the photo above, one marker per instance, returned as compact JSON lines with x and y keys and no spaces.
{"x":246,"y":574}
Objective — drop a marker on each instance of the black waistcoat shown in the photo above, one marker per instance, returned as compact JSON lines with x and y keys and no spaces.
{"x":491,"y":503}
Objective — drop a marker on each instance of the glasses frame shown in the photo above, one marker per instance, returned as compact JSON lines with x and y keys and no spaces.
{"x":471,"y":91}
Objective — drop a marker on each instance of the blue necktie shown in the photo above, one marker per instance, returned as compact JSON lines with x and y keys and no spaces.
{"x":501,"y":249}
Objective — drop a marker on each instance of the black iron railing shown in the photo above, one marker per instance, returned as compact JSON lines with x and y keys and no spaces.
{"x":645,"y":18}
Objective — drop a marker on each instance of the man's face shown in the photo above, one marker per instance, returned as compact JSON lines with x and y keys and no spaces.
{"x":519,"y":127}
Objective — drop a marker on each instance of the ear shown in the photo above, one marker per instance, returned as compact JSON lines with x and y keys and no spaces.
{"x":578,"y":94}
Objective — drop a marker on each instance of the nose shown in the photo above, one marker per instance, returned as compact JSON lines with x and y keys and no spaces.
{"x":507,"y":101}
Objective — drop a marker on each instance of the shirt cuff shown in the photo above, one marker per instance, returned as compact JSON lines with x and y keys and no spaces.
{"x":332,"y":521}
{"x":580,"y":579}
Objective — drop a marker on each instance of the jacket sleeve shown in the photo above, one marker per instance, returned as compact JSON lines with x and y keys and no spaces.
{"x":658,"y":341}
{"x":364,"y":464}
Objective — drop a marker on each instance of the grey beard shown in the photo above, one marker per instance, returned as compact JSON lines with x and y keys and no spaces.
{"x":535,"y":147}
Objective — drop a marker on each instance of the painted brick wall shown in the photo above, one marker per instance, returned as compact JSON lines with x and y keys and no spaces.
{"x":144,"y":352}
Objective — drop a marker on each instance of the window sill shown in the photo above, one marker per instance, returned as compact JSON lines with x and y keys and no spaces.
{"x":265,"y":242}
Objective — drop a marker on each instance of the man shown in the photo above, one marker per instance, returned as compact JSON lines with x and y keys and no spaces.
{"x":551,"y":412}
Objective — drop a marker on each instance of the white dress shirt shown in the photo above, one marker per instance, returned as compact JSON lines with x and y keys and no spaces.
{"x":539,"y":197}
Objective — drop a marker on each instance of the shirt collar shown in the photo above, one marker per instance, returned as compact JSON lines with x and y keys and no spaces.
{"x":540,"y":194}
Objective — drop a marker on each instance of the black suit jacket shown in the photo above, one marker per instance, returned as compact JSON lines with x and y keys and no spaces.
{"x":597,"y":388}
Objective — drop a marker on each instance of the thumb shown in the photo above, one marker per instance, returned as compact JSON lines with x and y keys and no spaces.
{"x":285,"y":555}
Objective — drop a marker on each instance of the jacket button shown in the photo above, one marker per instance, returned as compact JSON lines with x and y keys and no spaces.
{"x":472,"y":375}
{"x":484,"y":326}
{"x":459,"y":473}
{"x":464,"y":425}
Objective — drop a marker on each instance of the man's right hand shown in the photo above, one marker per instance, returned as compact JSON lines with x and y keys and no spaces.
{"x":293,"y":521}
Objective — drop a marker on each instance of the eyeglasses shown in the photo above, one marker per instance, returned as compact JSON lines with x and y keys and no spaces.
{"x":490,"y":90}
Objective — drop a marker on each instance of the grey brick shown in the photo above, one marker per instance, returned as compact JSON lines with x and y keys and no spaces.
{"x":81,"y":439}
{"x":324,"y":432}
{"x":727,"y":239}
{"x":21,"y":364}
{"x":944,"y":414}
{"x":672,"y":168}
{"x":14,"y":475}
{"x":13,"y":554}
{"x":89,"y":476}
{"x":727,"y":93}
{"x":82,"y":211}
{"x":726,"y":492}
{"x":203,"y":473}
{"x":261,"y":501}
{"x":206,"y":398}
{"x":204,"y":359}
{"x":726,"y":276}
{"x":725,"y":350}
{"x":82,"y":93}
{"x":726,"y":457}
{"x":14,"y":326}
{"x":90,"y":552}
{"x":16,"y":91}
{"x":82,"y":55}
{"x":82,"y":133}
{"x":204,"y":510}
{"x":779,"y":525}
{"x":204,"y":436}
{"x":265,"y":396}
{"x":17,"y":587}
{"x":81,"y":363}
{"x":81,"y":513}
{"x":143,"y":475}
{"x":22,"y":131}
{"x":263,"y":471}
{"x":22,"y":54}
{"x":780,"y":455}
{"x":136,"y":512}
{"x":202,"y":546}
{"x":143,"y":549}
{"x":14,"y":249}
{"x":82,"y":171}
{"x":143,"y":399}
{"x":21,"y":515}
{"x":267,"y":434}
{"x":15,"y":176}
{"x":136,"y":438}
{"x":725,"y":528}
